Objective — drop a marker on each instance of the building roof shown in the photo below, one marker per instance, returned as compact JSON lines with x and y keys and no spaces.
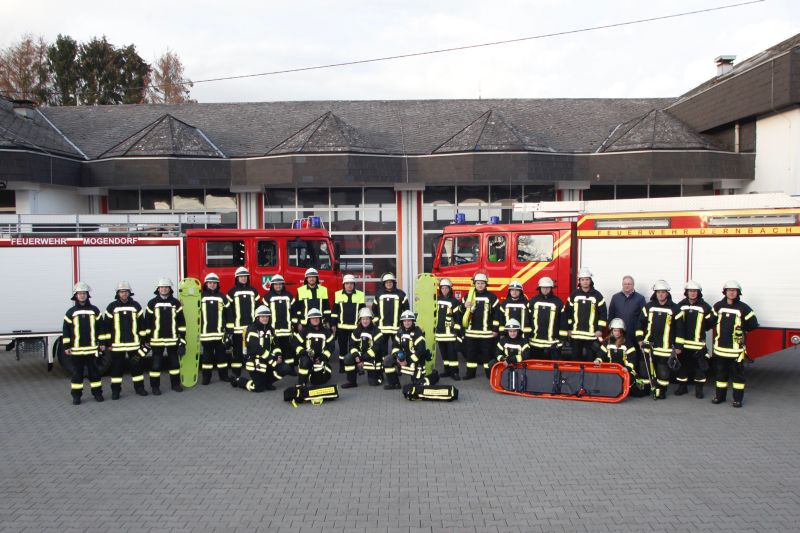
{"x":655,"y":130}
{"x":578,"y":125}
{"x":31,"y":132}
{"x":166,"y":136}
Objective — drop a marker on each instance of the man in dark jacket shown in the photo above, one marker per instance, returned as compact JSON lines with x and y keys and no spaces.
{"x":626,"y":305}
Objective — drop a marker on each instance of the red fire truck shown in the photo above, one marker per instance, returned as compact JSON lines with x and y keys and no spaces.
{"x":42,"y":256}
{"x":754,"y":239}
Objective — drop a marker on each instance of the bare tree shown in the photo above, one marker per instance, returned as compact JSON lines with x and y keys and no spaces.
{"x":166,"y":84}
{"x":24,"y":72}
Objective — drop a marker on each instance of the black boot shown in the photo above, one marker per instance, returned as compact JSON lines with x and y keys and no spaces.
{"x":698,"y":390}
{"x":454,"y":376}
{"x":720,"y":395}
{"x":392,"y":382}
{"x":141,"y":392}
{"x":206,"y":377}
{"x":738,"y":396}
{"x":681,"y":390}
{"x":223,"y":374}
{"x":341,"y":366}
{"x":115,"y":394}
{"x":349,"y":385}
{"x":176,"y":384}
{"x":156,"y":391}
{"x":470,"y":374}
{"x":99,"y":397}
{"x":76,"y":400}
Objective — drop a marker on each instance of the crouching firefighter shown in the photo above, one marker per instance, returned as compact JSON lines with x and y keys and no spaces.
{"x":696,"y":320}
{"x":512,"y":348}
{"x":264,"y":361}
{"x":448,"y":329}
{"x":409,"y":355}
{"x":124,"y":332}
{"x":81,"y":343}
{"x":344,"y":317}
{"x":212,"y":330}
{"x":659,"y":326}
{"x":547,"y":322}
{"x":241,"y":306}
{"x":732,"y":319}
{"x":619,"y":349}
{"x":166,"y":336}
{"x":364,"y":354}
{"x":314,"y":349}
{"x":481,"y":325}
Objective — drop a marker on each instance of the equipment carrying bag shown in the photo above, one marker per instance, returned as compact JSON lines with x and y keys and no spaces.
{"x":446,"y":393}
{"x":314,"y":394}
{"x":562,"y":380}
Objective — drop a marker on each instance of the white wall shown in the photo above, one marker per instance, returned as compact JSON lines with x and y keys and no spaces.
{"x":52,"y":201}
{"x":777,"y":154}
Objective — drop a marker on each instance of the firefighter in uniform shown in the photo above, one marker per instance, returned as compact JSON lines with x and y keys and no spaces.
{"x":547,"y":322}
{"x":409,"y":355}
{"x":212,"y":329}
{"x":732,"y":319}
{"x":481,"y":327}
{"x":660,"y":325}
{"x":311,"y":295}
{"x":364,"y":351}
{"x":314,"y":348}
{"x":124,"y":331}
{"x":585,"y":316}
{"x":516,"y":306}
{"x":264,"y":361}
{"x":389,"y":303}
{"x":617,"y":349}
{"x":513,"y":347}
{"x":80,"y":342}
{"x":242,"y":300}
{"x":696,"y":319}
{"x":344,"y":317}
{"x":166,"y":333}
{"x":448,"y":328}
{"x":280,"y":302}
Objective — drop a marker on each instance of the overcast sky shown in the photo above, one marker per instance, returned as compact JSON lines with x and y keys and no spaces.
{"x":214,"y":39}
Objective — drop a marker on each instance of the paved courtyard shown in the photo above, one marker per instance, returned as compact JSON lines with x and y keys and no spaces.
{"x":214,"y":458}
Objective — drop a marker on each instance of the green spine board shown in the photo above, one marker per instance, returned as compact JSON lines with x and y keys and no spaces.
{"x":189,"y":295}
{"x":425,"y":294}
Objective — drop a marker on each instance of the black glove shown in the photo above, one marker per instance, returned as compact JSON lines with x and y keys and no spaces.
{"x":673,"y":361}
{"x":181,"y":350}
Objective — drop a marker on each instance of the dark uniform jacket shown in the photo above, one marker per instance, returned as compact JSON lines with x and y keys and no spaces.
{"x":81,"y":329}
{"x":242,"y":300}
{"x":345,"y":309}
{"x":731,"y":322}
{"x":280,"y":303}
{"x":411,"y":342}
{"x":696,"y":319}
{"x":609,"y":352}
{"x":484,"y":319}
{"x":387,"y":308}
{"x":311,"y":298}
{"x":124,"y":326}
{"x":212,"y":315}
{"x":546,"y":319}
{"x":517,"y":309}
{"x":448,"y":319}
{"x":585,"y":313}
{"x":164,"y":320}
{"x":660,"y":325}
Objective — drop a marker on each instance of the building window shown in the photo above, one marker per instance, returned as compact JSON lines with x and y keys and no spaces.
{"x":156,"y":200}
{"x":224,"y":254}
{"x":123,"y":200}
{"x":534,"y":248}
{"x":362,"y":222}
{"x":664,"y":191}
{"x":8,"y":201}
{"x":177,"y":201}
{"x":267,"y":252}
{"x":627,"y":192}
{"x":599,"y":192}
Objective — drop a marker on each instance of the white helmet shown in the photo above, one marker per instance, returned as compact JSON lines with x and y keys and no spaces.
{"x":365,"y":312}
{"x":313,"y":313}
{"x":617,"y":323}
{"x":388,"y":277}
{"x":480,"y":276}
{"x":165,"y":282}
{"x":241,"y":271}
{"x":211,"y":277}
{"x":661,"y":285}
{"x":263,"y":310}
{"x":123,"y":286}
{"x":408,"y":315}
{"x":512,"y":323}
{"x":81,"y":286}
{"x":515,"y":284}
{"x":348,"y":278}
{"x":277,"y":278}
{"x":311,"y":272}
{"x":732,"y":284}
{"x":584,"y":273}
{"x":546,"y":282}
{"x":692,"y":285}
{"x":444,"y":282}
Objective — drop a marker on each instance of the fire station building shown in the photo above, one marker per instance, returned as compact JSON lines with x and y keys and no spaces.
{"x":386,"y":176}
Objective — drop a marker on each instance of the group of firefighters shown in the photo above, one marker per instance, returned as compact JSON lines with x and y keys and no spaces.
{"x":280,"y":334}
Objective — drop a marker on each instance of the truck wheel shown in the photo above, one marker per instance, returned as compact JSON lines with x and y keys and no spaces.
{"x":58,"y":354}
